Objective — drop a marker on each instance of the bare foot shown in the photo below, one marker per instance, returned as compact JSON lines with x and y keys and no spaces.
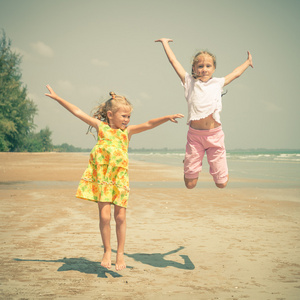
{"x":120,"y":262}
{"x":106,"y":260}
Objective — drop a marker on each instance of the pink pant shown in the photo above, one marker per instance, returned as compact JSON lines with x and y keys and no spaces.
{"x":212,"y":142}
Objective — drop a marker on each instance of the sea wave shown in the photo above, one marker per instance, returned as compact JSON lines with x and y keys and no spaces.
{"x":272,"y":156}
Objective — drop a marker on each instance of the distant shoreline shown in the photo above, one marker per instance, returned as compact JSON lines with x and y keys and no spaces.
{"x":162,"y":150}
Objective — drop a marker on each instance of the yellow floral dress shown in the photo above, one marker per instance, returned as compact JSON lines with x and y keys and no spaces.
{"x":106,"y":177}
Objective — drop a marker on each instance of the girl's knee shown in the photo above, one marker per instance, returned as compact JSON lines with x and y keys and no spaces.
{"x":190,"y":183}
{"x":104,"y":212}
{"x":120,"y":215}
{"x":105,"y":218}
{"x":222,"y":185}
{"x":120,"y":219}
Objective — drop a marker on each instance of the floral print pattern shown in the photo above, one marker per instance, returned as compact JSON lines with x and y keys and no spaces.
{"x":106,"y":177}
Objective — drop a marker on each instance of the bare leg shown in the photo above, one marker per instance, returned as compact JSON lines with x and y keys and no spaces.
{"x":190,"y":183}
{"x":104,"y":216}
{"x":120,"y":218}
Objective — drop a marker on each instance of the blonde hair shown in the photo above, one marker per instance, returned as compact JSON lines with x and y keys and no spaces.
{"x":112,"y":104}
{"x":196,"y":59}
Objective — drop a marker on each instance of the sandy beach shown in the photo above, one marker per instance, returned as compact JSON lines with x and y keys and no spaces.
{"x":235,"y":243}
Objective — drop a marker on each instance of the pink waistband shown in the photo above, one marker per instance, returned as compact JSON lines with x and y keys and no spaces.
{"x":205,"y":131}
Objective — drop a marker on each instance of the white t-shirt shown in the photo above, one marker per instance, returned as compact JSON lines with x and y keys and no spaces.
{"x":203,"y":98}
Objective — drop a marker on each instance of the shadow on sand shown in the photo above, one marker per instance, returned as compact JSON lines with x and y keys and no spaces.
{"x":158,"y":260}
{"x":84,"y":265}
{"x":80,"y":264}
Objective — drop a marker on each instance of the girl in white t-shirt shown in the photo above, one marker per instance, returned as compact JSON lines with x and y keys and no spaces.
{"x":203,"y":94}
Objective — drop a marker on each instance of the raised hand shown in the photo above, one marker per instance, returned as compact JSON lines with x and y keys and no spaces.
{"x":52,"y":93}
{"x":250,"y":59}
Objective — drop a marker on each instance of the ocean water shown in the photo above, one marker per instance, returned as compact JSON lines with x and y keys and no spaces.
{"x":267,"y":168}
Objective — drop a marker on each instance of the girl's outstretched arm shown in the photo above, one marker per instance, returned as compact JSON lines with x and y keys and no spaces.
{"x":134,"y":129}
{"x":239,"y":70}
{"x":77,"y":112}
{"x":172,"y":58}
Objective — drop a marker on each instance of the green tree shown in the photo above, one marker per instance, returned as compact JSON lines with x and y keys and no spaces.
{"x":45,"y":137}
{"x":16,"y":110}
{"x":39,"y":142}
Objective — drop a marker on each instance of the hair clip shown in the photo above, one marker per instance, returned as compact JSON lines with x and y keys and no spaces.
{"x":113,"y":95}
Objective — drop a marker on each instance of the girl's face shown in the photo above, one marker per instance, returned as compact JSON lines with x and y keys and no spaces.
{"x":204,"y":67}
{"x":120,"y":118}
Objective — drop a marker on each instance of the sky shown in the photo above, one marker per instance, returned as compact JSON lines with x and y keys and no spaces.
{"x":86,"y":48}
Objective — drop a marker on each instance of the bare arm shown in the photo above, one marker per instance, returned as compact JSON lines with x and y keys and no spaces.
{"x":134,"y":129}
{"x":172,"y":58}
{"x":237,"y":72}
{"x":77,"y":112}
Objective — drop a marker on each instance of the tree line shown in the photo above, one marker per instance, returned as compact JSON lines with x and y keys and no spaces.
{"x":17,"y":111}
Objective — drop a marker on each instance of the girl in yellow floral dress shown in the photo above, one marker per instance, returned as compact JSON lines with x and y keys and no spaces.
{"x":105,"y":180}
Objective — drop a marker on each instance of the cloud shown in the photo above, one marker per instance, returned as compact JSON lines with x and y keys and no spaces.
{"x":90,"y":92}
{"x":42,"y":49}
{"x":144,"y":95}
{"x":270,"y":106}
{"x":139,"y":100}
{"x":99,"y":63}
{"x":65,"y":86}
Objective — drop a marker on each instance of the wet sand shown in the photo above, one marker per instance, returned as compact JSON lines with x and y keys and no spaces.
{"x":235,"y":243}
